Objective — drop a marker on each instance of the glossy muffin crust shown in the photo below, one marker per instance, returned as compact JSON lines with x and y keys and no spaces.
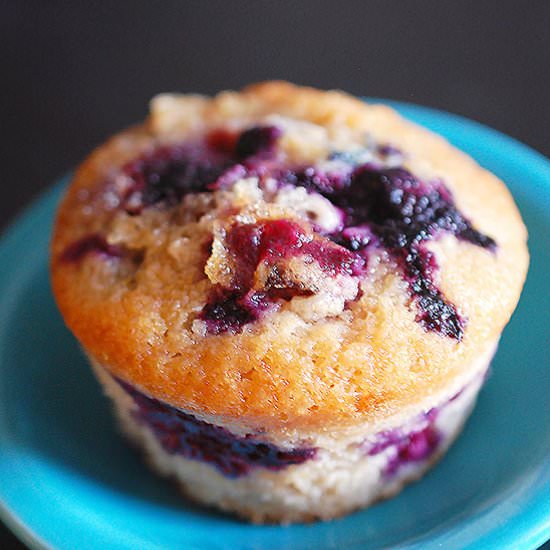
{"x":286,"y":259}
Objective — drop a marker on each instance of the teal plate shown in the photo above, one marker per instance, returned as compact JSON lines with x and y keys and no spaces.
{"x":68,"y":481}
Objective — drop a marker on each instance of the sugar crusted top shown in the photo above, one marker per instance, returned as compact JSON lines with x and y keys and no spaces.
{"x":287,"y":255}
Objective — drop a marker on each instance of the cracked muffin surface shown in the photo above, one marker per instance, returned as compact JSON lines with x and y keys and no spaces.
{"x":288,"y":258}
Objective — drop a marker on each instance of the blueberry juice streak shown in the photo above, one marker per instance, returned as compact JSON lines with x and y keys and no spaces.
{"x":182,"y":434}
{"x":392,"y":209}
{"x":415,"y":444}
{"x":90,"y":244}
{"x":407,"y":448}
{"x":268,"y":242}
{"x":382,"y":207}
{"x":167,"y":174}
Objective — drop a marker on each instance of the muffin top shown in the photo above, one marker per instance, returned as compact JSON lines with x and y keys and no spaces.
{"x":286,"y":257}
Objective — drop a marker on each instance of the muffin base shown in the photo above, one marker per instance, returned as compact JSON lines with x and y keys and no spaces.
{"x":349,"y":471}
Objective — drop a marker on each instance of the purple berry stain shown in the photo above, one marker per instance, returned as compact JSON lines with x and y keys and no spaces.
{"x":403,"y":213}
{"x":168,"y":173}
{"x":250,"y":245}
{"x":90,"y":244}
{"x":416,"y":445}
{"x":230,"y":310}
{"x":182,"y":434}
{"x":257,"y":140}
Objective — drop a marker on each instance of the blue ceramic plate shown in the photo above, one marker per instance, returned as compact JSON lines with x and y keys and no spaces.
{"x":68,"y":481}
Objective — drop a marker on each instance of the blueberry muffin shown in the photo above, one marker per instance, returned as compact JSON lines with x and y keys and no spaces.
{"x":292,"y":297}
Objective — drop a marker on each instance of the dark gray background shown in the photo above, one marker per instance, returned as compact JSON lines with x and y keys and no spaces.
{"x":71,"y":73}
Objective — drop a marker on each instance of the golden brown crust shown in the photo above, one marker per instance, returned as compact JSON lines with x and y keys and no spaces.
{"x":367,"y":363}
